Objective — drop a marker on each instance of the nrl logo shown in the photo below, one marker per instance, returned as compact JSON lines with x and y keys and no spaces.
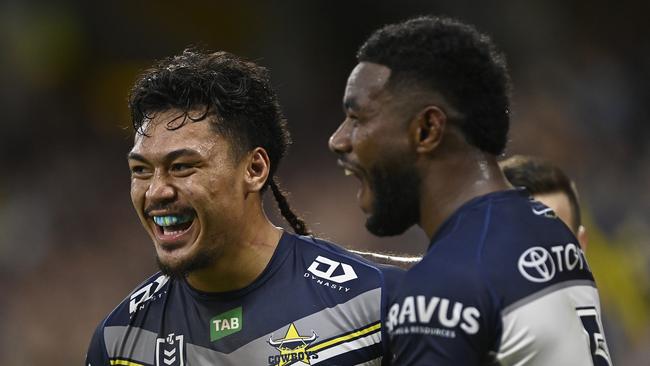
{"x":292,"y":347}
{"x":169,"y":351}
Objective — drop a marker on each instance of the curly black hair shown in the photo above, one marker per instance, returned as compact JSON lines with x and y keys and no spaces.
{"x":455,"y":60}
{"x":233,"y":94}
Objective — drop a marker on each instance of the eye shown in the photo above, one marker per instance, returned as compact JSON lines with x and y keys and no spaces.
{"x":179,"y":167}
{"x":139,"y":171}
{"x":182,"y":169}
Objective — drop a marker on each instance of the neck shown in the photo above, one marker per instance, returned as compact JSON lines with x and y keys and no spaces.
{"x":242,"y":258}
{"x":450,"y":182}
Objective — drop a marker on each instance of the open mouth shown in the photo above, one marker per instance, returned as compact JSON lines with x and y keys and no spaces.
{"x":173,"y":225}
{"x":363,"y":192}
{"x":348,"y":169}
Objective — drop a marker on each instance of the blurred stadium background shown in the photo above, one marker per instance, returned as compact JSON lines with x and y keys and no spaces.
{"x":71,"y":247}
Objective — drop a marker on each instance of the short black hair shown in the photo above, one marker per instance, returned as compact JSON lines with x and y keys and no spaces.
{"x":233,"y":94}
{"x":455,"y":60}
{"x":540,"y":176}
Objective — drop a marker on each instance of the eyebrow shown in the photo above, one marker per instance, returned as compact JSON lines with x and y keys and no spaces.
{"x":168,"y":157}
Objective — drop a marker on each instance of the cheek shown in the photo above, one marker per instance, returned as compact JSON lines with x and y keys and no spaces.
{"x":215,"y":189}
{"x":370,"y":146}
{"x":362,"y":143}
{"x":138,"y":191}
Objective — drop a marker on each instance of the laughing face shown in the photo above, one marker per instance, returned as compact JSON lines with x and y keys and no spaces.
{"x":373,"y":145}
{"x":184,"y":187}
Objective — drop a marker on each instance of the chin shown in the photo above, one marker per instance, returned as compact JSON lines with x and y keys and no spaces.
{"x":182,"y":266}
{"x":390,"y":227}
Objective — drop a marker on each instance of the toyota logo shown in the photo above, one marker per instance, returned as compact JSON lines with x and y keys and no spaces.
{"x":537,"y":265}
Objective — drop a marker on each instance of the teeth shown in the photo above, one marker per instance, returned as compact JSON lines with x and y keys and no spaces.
{"x":170,"y":220}
{"x":171,"y":232}
{"x":348,"y":172}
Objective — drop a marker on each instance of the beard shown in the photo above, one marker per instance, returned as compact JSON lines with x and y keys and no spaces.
{"x":396,"y":198}
{"x":200,"y":260}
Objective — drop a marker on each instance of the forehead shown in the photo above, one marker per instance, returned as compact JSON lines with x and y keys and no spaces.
{"x":365,"y":85}
{"x":160,"y":139}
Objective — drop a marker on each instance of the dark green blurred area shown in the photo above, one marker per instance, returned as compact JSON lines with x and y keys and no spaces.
{"x":71,"y":248}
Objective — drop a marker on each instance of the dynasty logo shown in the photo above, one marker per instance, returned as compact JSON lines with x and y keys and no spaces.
{"x":329,"y":273}
{"x":148,"y":292}
{"x":292,"y":348}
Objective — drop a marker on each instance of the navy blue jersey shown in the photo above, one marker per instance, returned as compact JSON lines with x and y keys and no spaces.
{"x":503,"y":282}
{"x":315,"y":303}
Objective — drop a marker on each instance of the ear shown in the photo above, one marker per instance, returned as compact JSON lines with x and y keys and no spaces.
{"x":582,"y":238}
{"x":257,"y":170}
{"x":428,"y":128}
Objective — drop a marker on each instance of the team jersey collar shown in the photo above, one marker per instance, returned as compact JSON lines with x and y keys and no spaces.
{"x":279,"y":255}
{"x":449,"y":223}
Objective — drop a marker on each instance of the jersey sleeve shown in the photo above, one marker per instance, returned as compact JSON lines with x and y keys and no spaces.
{"x":531,"y":329}
{"x":96,"y":355}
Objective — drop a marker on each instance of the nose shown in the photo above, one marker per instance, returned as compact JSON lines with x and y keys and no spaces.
{"x":340,"y":140}
{"x":160,"y":189}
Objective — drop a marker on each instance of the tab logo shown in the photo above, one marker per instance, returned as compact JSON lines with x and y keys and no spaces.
{"x":329,"y":267}
{"x":226,"y":324}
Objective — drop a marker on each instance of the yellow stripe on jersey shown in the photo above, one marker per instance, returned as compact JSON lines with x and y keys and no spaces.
{"x":345,"y":338}
{"x":125,"y":363}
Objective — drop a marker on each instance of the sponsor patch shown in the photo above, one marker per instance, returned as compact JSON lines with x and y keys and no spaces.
{"x":331,"y":274}
{"x":226,"y":324}
{"x":432,"y":316}
{"x":326,"y":268}
{"x":148,"y":292}
{"x":538,"y":264}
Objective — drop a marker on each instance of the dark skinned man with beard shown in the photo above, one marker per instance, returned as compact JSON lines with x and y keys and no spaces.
{"x":234,"y":289}
{"x":503,"y":280}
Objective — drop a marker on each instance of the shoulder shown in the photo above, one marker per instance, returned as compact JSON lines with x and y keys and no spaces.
{"x":528,"y":250}
{"x":332,"y":257}
{"x":145,"y":293}
{"x":114,"y":325}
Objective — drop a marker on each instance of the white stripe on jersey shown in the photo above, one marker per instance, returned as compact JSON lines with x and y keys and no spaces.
{"x":362,"y":342}
{"x":548,"y":330}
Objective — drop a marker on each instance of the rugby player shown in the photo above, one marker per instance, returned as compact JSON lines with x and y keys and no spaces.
{"x":503,"y":280}
{"x":549,"y":185}
{"x":233,"y":289}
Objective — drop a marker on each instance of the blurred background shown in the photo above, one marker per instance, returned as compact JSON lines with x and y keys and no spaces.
{"x":71,"y":247}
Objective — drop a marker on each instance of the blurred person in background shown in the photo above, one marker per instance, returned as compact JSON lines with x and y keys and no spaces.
{"x":549,"y":185}
{"x":427,"y":113}
{"x":233,"y":288}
